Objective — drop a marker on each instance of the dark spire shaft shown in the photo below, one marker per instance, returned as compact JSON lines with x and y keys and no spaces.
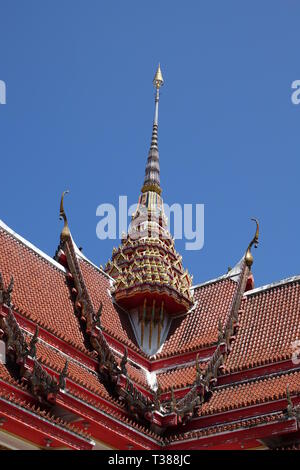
{"x":152,"y":178}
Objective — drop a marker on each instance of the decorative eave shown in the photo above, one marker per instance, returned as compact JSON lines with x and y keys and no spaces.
{"x":177,"y":303}
{"x":42,"y":385}
{"x":40,"y":427}
{"x":150,"y":266}
{"x":241,"y":434}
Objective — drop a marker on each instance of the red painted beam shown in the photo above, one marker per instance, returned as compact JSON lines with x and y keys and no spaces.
{"x":238,"y":414}
{"x":235,"y":439}
{"x":32,"y":428}
{"x":72,"y":351}
{"x":17,"y":392}
{"x":257,"y":372}
{"x":106,"y":428}
{"x":64,"y":347}
{"x":158,"y":364}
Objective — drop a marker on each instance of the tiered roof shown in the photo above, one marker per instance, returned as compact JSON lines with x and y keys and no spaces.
{"x":226,"y":373}
{"x":250,"y":387}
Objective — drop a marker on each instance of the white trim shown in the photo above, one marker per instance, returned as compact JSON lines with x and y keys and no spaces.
{"x":233,"y":273}
{"x":152,"y":379}
{"x":288,"y":280}
{"x":217,"y":279}
{"x":31,"y":246}
{"x":46,"y":257}
{"x":48,"y":421}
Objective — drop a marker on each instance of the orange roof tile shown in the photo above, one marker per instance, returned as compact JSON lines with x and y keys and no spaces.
{"x":251,"y":393}
{"x":178,"y":377}
{"x":269,"y":321}
{"x":45,"y":414}
{"x":268,"y":325}
{"x":200,"y":327}
{"x":40,"y":289}
{"x":266,"y":419}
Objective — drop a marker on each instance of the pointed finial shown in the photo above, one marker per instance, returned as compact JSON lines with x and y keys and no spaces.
{"x":254,"y":241}
{"x":152,"y":178}
{"x":65,"y":233}
{"x":158,"y":80}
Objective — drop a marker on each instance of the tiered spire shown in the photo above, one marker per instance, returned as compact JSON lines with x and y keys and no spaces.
{"x":152,"y":177}
{"x":150,"y":281}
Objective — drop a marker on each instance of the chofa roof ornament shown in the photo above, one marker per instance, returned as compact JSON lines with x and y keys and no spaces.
{"x":65,"y":233}
{"x":254,"y":241}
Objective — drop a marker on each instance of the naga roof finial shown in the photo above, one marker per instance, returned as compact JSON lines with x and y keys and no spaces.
{"x":254,"y":241}
{"x":65,"y":233}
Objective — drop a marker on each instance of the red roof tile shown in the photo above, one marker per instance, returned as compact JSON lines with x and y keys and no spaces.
{"x":44,"y":414}
{"x":178,"y":377}
{"x":251,"y":393}
{"x":114,"y":322}
{"x":40,"y":289}
{"x":77,"y":373}
{"x":268,"y":325}
{"x":200,"y":327}
{"x":209,"y":431}
{"x":7,"y":377}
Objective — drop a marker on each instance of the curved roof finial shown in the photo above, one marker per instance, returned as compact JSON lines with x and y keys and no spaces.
{"x":65,"y":233}
{"x":254,"y":241}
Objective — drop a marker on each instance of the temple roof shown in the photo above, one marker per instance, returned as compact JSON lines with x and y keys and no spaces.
{"x":256,"y":370}
{"x":138,"y":358}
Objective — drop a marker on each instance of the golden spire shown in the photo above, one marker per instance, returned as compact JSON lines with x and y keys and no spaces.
{"x":65,"y":233}
{"x":152,"y":178}
{"x":158,"y":80}
{"x":254,"y":241}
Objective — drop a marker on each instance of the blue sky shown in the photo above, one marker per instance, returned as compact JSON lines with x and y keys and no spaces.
{"x":79,"y":115}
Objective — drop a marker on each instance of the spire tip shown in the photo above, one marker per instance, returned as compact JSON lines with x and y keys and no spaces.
{"x":158,"y":80}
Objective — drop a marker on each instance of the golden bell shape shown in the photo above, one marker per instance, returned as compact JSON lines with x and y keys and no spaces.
{"x":158,"y":80}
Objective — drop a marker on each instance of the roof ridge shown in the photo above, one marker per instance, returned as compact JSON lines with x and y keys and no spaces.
{"x":260,"y":378}
{"x":213,"y":281}
{"x":282,"y":282}
{"x":84,"y":258}
{"x":31,"y":247}
{"x":49,"y":417}
{"x":234,"y":272}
